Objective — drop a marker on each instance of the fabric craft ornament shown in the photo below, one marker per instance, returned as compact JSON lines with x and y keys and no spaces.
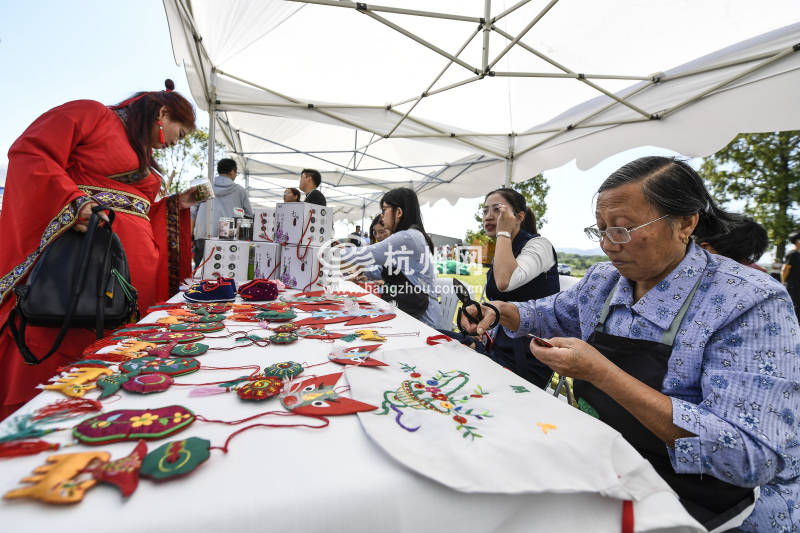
{"x":276,"y":316}
{"x":132,"y":348}
{"x":202,"y":319}
{"x":150,"y":365}
{"x":288,"y":327}
{"x":76,"y":382}
{"x":212,"y":309}
{"x":161,"y":337}
{"x":356,"y":355}
{"x":364,"y":316}
{"x":369,"y":335}
{"x":205,"y":327}
{"x":259,"y":290}
{"x":260,"y":388}
{"x":85,"y":363}
{"x":162,"y":350}
{"x":283,"y":338}
{"x":433,"y":340}
{"x":57,"y":480}
{"x":148,"y":383}
{"x":174,"y":459}
{"x":189,"y":349}
{"x":123,"y":473}
{"x":273,"y":306}
{"x":243,"y":317}
{"x":111,"y":384}
{"x":284,"y":370}
{"x":321,"y":334}
{"x":133,"y":424}
{"x":316,"y":397}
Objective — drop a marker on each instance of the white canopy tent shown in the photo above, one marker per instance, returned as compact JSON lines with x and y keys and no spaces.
{"x":443,"y":98}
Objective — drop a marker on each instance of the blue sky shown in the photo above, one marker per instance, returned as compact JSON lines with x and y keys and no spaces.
{"x":52,"y":52}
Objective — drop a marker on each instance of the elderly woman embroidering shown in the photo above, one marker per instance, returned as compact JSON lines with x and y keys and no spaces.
{"x":691,"y":356}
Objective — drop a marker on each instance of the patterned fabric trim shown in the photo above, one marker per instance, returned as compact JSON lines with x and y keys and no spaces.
{"x":122,"y":202}
{"x":173,"y":244}
{"x":60,"y":223}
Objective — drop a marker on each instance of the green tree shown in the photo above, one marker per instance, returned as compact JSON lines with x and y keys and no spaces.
{"x":763,"y":170}
{"x":187,"y":160}
{"x":534,"y":190}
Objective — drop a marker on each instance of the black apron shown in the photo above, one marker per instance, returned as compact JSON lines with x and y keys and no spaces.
{"x":397,"y":288}
{"x":709,"y":500}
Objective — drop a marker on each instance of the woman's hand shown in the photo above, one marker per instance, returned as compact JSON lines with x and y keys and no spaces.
{"x":85,"y":213}
{"x":192,"y":196}
{"x":505,"y":219}
{"x":574,"y":358}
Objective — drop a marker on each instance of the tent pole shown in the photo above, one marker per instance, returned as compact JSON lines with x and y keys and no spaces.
{"x":363,"y":212}
{"x":487,"y":11}
{"x":509,"y":161}
{"x":212,"y":126}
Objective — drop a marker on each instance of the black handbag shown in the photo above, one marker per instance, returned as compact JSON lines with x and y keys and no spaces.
{"x":81,"y":280}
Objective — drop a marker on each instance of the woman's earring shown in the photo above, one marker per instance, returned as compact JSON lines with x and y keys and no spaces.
{"x":685,"y":240}
{"x":161,"y":133}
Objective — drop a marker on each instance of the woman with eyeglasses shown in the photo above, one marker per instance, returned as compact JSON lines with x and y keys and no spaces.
{"x":691,"y":356}
{"x":405,"y":257}
{"x":525,"y":267}
{"x":377,"y":232}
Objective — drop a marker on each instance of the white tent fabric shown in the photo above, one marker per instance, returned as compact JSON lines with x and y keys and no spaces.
{"x":270,"y":71}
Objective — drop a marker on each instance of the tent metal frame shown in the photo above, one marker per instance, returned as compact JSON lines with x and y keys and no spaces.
{"x":486,"y":27}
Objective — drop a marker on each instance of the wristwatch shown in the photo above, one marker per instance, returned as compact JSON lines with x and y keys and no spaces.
{"x":503,"y":234}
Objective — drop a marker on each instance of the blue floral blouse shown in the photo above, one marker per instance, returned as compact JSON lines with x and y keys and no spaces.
{"x":733,"y":376}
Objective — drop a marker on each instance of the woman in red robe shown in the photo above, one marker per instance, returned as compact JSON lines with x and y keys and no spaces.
{"x":73,"y":157}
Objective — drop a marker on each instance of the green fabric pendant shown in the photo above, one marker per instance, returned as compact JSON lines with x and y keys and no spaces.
{"x":276,"y":316}
{"x":350,"y":338}
{"x":284,"y":370}
{"x":189,"y":350}
{"x":283,"y":338}
{"x":176,"y":458}
{"x":111,"y":384}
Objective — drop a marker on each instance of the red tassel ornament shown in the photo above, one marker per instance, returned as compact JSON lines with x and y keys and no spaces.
{"x":25,"y":447}
{"x":161,"y":133}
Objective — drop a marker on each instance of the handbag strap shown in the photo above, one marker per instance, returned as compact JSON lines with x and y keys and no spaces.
{"x":77,"y":288}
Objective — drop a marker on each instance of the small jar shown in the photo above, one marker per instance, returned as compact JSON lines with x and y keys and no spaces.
{"x":227,"y":228}
{"x":245,"y":229}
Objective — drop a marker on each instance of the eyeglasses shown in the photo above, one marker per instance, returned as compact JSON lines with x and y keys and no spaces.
{"x":615,"y":234}
{"x":495,"y":209}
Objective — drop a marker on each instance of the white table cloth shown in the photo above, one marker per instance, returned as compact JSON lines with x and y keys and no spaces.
{"x":289,"y":479}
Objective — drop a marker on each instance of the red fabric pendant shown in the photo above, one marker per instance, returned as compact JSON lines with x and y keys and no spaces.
{"x":124,"y":472}
{"x":148,"y":383}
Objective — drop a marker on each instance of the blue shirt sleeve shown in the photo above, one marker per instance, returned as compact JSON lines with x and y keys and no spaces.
{"x":553,"y":316}
{"x":746,"y":424}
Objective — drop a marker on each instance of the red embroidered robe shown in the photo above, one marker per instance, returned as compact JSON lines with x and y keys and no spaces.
{"x":72,"y":151}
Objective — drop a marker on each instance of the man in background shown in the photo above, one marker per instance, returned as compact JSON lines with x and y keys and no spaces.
{"x":310,"y":181}
{"x":228,"y":195}
{"x":790,"y":274}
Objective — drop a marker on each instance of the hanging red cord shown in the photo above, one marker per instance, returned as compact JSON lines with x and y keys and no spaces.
{"x":203,"y":263}
{"x":224,"y":447}
{"x":313,"y":281}
{"x":302,"y":236}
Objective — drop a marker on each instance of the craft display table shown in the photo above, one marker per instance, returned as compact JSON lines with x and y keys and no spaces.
{"x":298,"y":479}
